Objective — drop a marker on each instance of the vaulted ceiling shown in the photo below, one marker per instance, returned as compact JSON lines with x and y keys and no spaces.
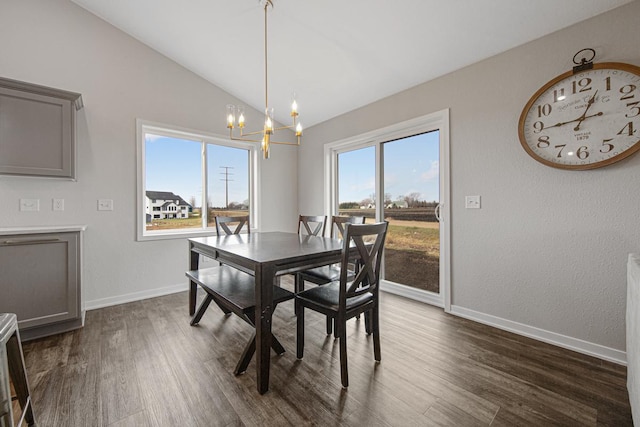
{"x":337,"y":55}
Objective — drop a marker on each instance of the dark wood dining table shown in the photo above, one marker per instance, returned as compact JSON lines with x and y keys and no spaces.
{"x":265,"y":256}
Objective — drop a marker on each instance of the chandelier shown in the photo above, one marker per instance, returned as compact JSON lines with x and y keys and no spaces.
{"x":235,"y":114}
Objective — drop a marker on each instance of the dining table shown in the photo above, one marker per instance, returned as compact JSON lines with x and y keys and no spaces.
{"x":264,"y":255}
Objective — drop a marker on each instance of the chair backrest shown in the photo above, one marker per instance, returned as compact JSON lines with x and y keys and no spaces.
{"x":338,"y":222}
{"x":312,"y":225}
{"x":225,"y":223}
{"x":367,"y":240}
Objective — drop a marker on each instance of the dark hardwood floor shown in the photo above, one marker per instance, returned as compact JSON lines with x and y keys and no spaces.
{"x":141,"y":364}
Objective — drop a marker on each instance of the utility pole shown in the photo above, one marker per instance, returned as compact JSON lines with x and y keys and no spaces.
{"x":226,"y":183}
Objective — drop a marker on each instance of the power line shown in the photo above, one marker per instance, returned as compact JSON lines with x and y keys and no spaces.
{"x":226,"y":183}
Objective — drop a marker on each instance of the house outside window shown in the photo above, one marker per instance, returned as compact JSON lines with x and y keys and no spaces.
{"x":186,"y":178}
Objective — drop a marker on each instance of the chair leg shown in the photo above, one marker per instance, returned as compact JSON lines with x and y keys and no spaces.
{"x":341,"y":327}
{"x":375,"y":325}
{"x":367,"y":322}
{"x":299,"y":331}
{"x":203,"y":307}
{"x":329,"y":325}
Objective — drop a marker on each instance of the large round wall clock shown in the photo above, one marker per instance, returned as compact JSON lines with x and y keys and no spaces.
{"x":586,"y":118}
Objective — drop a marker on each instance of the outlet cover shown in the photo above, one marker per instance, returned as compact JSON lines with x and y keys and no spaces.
{"x":105,"y":204}
{"x":58,"y":204}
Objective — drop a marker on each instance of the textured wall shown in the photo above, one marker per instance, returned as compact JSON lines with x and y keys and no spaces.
{"x":547,"y":251}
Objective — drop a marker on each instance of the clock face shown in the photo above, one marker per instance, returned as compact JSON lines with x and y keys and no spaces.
{"x":585,"y":120}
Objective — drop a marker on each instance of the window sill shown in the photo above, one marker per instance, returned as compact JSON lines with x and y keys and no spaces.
{"x":177,"y":234}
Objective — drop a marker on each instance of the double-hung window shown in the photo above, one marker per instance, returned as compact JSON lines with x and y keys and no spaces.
{"x":186,"y":178}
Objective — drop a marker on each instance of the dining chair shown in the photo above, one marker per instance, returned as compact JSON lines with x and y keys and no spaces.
{"x":225,"y":223}
{"x":328,"y":273}
{"x":344,"y":299}
{"x":309,"y":225}
{"x":235,"y":291}
{"x":312,"y":225}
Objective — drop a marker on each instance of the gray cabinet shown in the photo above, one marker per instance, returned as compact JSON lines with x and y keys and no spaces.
{"x":40,"y":279}
{"x":37,"y":130}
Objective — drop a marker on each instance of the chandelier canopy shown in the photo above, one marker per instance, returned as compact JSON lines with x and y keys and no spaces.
{"x":235,"y":114}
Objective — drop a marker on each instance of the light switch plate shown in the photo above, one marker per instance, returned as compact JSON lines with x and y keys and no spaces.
{"x":105,"y":204}
{"x":472,"y":202}
{"x":29,"y":204}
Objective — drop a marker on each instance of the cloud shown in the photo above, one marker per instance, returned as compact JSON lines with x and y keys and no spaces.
{"x":148,"y":137}
{"x":433,"y":174}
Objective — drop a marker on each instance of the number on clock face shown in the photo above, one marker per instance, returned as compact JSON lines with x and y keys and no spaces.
{"x":584,"y":120}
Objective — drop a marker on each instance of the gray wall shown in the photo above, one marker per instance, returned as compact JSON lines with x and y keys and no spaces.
{"x":56,"y":43}
{"x":546,"y":254}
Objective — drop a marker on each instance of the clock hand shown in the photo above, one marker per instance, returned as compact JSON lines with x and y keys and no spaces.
{"x":560,"y":124}
{"x":571,"y":121}
{"x":584,"y":114}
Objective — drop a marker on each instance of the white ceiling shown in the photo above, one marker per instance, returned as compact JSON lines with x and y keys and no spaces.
{"x":337,"y":55}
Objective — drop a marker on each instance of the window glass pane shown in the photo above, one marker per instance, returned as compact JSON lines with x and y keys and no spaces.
{"x":227,"y":181}
{"x":357,"y":183}
{"x":173,"y":181}
{"x":411,"y":193}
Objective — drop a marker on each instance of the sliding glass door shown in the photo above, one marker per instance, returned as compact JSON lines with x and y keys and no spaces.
{"x":411,"y":194}
{"x":400,"y":174}
{"x":357,"y":183}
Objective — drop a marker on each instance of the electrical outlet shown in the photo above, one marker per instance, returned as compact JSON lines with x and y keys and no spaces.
{"x":58,"y":204}
{"x":105,"y":204}
{"x":472,"y":202}
{"x":29,"y":204}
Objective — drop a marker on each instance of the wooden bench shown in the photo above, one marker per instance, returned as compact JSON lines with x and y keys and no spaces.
{"x":235,"y":291}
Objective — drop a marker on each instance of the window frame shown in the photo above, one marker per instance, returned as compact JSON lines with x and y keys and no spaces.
{"x":142,"y":128}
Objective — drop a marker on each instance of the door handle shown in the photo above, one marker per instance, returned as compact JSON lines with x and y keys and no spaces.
{"x":436,"y":212}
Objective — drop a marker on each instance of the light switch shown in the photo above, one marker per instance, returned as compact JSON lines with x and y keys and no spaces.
{"x":105,"y":204}
{"x":29,"y":204}
{"x":472,"y":202}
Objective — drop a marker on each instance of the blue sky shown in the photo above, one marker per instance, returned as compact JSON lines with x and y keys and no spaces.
{"x":174,"y":165}
{"x":411,"y":166}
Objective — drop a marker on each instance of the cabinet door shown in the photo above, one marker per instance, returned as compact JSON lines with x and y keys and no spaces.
{"x":39,"y":278}
{"x":36,"y":135}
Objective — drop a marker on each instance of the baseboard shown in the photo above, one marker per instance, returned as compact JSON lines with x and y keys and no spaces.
{"x":135,"y":296}
{"x":581,"y":346}
{"x":50,"y":329}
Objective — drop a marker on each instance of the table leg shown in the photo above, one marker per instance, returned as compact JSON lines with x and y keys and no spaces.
{"x":265,"y":276}
{"x":194,"y":260}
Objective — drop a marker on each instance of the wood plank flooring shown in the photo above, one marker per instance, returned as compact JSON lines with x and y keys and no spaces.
{"x":141,"y":364}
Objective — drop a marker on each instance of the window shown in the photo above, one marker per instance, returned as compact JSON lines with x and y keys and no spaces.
{"x":186,"y":178}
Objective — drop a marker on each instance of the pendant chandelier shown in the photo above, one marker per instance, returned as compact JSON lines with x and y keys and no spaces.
{"x":235,"y":114}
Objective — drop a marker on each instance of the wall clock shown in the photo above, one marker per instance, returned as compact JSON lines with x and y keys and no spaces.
{"x":586,"y":118}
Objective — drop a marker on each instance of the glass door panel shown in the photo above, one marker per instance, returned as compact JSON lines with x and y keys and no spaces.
{"x":411,"y":194}
{"x":357,"y":183}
